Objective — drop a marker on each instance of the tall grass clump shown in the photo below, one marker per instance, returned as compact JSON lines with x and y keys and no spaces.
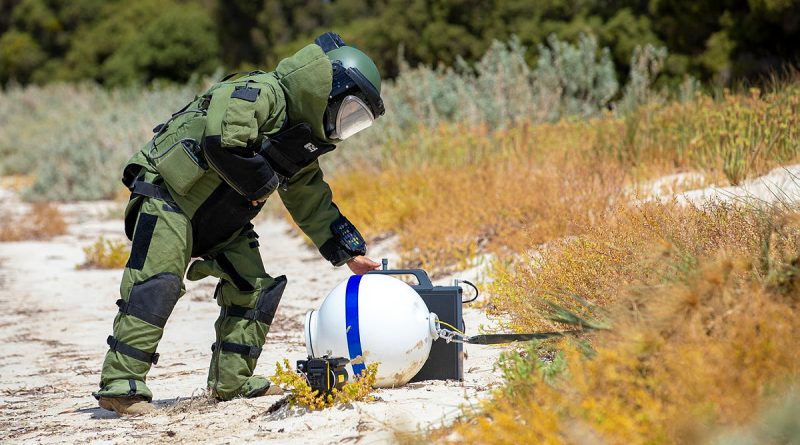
{"x":739,"y":135}
{"x":702,"y":341}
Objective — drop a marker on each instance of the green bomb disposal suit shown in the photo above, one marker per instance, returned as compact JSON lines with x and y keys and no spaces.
{"x":193,"y":187}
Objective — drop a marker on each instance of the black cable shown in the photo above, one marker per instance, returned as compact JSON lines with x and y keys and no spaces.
{"x":477,"y":292}
{"x":497,"y":339}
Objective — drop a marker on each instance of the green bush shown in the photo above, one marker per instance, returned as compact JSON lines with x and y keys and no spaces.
{"x":582,"y":83}
{"x":175,"y":44}
{"x":19,"y":56}
{"x":113,"y":42}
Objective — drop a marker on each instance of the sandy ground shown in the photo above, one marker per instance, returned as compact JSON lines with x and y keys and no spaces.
{"x":781,"y":185}
{"x":54,"y":320}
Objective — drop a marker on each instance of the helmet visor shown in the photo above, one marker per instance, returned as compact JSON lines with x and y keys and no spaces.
{"x":353,"y":116}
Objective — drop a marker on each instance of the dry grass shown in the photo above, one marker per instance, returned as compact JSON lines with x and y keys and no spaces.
{"x":454,"y":192}
{"x":41,"y":222}
{"x":631,"y":246}
{"x":498,"y":196}
{"x":703,"y":338}
{"x":738,"y":136}
{"x":106,"y":254}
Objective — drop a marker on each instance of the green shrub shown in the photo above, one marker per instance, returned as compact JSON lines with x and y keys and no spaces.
{"x":19,"y":56}
{"x":499,"y":91}
{"x":582,"y":84}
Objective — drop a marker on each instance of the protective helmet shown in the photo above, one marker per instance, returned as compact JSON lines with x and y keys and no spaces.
{"x":355,"y":98}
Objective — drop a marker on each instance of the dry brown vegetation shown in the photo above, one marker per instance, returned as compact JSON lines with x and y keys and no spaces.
{"x":41,"y":222}
{"x":630,"y":247}
{"x":505,"y":191}
{"x":454,"y":192}
{"x":702,"y":339}
{"x":702,"y":301}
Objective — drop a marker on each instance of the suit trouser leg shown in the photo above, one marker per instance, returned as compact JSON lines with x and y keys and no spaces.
{"x":152,"y":283}
{"x":248,"y":298}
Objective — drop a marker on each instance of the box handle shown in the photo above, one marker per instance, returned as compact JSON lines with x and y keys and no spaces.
{"x":422,"y":277}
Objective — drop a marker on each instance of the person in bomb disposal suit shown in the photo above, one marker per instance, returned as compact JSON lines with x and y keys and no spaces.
{"x":199,"y":182}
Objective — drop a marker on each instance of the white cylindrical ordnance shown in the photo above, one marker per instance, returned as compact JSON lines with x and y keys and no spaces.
{"x":373,"y":318}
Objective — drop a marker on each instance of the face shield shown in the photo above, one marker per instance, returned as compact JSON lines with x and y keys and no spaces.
{"x":353,"y":105}
{"x":353,"y":116}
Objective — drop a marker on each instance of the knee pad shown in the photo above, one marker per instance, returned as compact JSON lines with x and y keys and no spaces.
{"x":265,"y":305}
{"x":150,"y":301}
{"x":153,"y":300}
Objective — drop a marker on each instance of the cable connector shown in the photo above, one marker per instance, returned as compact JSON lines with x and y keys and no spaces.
{"x":451,"y":336}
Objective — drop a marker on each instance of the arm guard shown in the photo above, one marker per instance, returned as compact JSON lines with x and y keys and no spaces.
{"x":309,"y":200}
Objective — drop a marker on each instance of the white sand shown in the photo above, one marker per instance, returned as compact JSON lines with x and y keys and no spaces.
{"x":54,"y":320}
{"x":781,"y":185}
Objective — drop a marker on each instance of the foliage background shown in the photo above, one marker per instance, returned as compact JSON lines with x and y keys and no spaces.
{"x":118,"y":42}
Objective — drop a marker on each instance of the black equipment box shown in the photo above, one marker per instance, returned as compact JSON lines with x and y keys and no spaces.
{"x":324,"y":374}
{"x":446,"y":360}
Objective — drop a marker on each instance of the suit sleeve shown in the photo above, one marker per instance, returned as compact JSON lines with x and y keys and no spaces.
{"x":235,"y":115}
{"x":309,"y":200}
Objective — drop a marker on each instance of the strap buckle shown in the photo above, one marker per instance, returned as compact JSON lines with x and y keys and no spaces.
{"x":254,"y":352}
{"x":246,"y":350}
{"x":144,"y":188}
{"x":246,"y":313}
{"x":135,"y":353}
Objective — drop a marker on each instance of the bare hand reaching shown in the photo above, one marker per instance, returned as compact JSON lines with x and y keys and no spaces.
{"x":361,"y":265}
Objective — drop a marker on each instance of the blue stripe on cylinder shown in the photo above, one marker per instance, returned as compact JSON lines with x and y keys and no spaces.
{"x":351,"y":321}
